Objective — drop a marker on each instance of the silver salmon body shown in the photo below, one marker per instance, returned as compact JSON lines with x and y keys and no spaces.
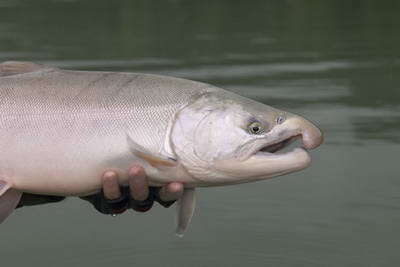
{"x":61,"y":130}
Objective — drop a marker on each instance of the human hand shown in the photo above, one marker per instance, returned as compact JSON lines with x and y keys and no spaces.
{"x":138,"y":196}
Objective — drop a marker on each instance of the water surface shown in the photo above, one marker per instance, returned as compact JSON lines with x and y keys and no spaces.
{"x":334,"y":62}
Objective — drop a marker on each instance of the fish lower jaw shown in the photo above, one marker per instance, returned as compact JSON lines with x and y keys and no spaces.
{"x":302,"y":158}
{"x":259,"y":166}
{"x":298,"y":157}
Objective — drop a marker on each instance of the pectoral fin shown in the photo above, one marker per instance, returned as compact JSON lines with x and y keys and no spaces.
{"x":8,"y":201}
{"x":10,"y":68}
{"x":156,"y":161}
{"x":4,"y":185}
{"x":185,"y":210}
{"x":9,"y":198}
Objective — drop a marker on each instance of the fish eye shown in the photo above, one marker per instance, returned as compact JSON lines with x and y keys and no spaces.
{"x":255,"y":127}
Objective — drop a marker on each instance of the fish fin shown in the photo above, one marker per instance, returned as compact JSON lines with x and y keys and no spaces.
{"x":4,"y":185}
{"x":185,"y":210}
{"x":8,"y":201}
{"x":10,"y":68}
{"x":154,"y":160}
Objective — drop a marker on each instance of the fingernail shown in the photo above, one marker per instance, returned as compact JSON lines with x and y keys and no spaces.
{"x":135,"y":170}
{"x":109,"y":174}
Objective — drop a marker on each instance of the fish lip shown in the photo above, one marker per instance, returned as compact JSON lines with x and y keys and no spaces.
{"x":270,"y":148}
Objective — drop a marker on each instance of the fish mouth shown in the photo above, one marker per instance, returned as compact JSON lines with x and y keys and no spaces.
{"x":278,"y":146}
{"x":271,"y":156}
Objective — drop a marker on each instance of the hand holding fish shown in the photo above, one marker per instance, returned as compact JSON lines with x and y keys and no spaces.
{"x":116,"y":199}
{"x":138,"y":195}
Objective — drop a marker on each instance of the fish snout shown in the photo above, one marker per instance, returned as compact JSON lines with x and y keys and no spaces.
{"x":311,"y":135}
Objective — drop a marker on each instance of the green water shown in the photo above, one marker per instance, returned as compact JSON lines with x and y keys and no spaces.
{"x":335,"y":62}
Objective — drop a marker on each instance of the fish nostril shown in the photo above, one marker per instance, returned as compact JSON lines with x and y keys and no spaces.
{"x":280,"y":119}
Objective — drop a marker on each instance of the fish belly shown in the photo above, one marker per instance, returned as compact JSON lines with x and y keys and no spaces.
{"x":61,"y":154}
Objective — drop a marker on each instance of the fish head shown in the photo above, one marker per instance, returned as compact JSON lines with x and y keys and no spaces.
{"x":223,"y":138}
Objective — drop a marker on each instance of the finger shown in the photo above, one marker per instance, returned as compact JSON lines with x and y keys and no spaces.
{"x":138,"y":183}
{"x":172,"y":191}
{"x":111,"y":186}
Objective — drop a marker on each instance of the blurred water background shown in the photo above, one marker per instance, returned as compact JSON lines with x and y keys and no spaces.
{"x":334,"y":62}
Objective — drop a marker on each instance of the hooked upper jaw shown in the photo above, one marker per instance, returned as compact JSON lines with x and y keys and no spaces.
{"x":312,"y":137}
